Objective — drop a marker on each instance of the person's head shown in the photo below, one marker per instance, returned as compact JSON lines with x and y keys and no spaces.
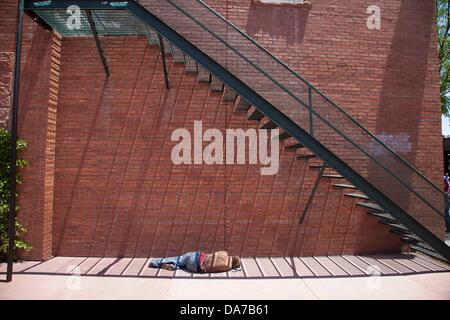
{"x":236,"y":262}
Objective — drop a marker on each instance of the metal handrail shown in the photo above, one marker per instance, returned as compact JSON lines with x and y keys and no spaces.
{"x":399,"y":157}
{"x":304,"y":104}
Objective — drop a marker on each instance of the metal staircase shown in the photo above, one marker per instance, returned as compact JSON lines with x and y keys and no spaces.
{"x":270,"y":92}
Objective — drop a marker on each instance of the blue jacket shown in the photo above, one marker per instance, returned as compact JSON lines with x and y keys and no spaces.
{"x":189,"y":261}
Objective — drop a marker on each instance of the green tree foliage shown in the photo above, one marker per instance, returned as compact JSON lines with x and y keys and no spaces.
{"x":5,"y":194}
{"x":443,"y":26}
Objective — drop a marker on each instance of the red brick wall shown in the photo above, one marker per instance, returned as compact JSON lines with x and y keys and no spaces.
{"x":118,"y":193}
{"x":115,"y":189}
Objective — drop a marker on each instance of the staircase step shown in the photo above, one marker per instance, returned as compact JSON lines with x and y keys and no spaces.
{"x":284,"y":135}
{"x":293,"y":146}
{"x":241,"y":105}
{"x":230,"y":94}
{"x":370,"y":206}
{"x":216,"y":85}
{"x":290,"y":140}
{"x":424,"y":245}
{"x":428,"y":252}
{"x":357,"y":195}
{"x":404,"y":233}
{"x":396,"y":226}
{"x":254,"y":114}
{"x":177,"y":54}
{"x":409,"y":239}
{"x":203,"y":75}
{"x":343,"y":185}
{"x":318,"y":166}
{"x":306,"y":156}
{"x":333,"y":176}
{"x":383,"y":215}
{"x":409,"y":236}
{"x":191,"y":65}
{"x":267,"y":124}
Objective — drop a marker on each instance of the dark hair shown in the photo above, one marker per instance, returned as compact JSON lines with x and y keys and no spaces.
{"x":236,"y":262}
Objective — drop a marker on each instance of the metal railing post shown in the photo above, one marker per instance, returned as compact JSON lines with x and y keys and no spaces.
{"x":310,"y":106}
{"x":163,"y":56}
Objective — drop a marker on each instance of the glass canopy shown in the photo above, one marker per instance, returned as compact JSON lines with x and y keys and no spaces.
{"x":107,"y":23}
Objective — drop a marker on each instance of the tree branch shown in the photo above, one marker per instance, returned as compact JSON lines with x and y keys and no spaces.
{"x":445,"y":35}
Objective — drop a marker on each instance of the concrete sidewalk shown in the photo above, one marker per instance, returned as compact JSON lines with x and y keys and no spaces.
{"x":421,"y":286}
{"x":251,"y":268}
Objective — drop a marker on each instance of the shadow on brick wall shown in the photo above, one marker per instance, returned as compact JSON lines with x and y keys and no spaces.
{"x":285,"y":22}
{"x":404,"y":78}
{"x":403,"y":104}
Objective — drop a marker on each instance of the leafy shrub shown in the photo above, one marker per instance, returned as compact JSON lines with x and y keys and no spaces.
{"x":5,"y":195}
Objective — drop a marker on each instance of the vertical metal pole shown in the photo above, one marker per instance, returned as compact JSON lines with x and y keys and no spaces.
{"x":97,"y":41}
{"x":14,"y":116}
{"x":313,"y":192}
{"x":311,"y":129}
{"x":163,"y":54}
